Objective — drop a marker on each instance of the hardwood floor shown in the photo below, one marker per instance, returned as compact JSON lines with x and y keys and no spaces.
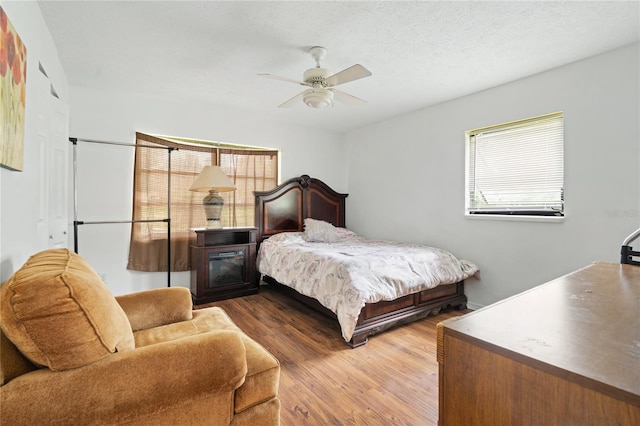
{"x":392,"y":380}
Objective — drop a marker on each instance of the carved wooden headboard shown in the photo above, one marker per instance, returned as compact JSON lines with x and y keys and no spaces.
{"x":284,"y":208}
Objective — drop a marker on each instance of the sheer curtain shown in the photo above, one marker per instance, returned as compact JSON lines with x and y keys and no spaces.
{"x":249,"y":169}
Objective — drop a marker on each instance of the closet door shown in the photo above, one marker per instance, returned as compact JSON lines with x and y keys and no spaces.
{"x":53,"y":145}
{"x":59,"y":222}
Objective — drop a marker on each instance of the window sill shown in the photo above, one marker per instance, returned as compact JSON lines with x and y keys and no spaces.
{"x":516,"y":218}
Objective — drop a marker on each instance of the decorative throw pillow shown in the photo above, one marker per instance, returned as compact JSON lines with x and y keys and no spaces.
{"x":320,"y":231}
{"x":57,"y":311}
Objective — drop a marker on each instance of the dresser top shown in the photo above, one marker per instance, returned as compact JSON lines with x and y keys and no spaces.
{"x":584,"y":326}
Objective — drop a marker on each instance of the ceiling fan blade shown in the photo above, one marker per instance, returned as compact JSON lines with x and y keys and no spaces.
{"x":291,"y":102}
{"x":347,"y":98}
{"x":349,"y":74}
{"x":276,"y":77}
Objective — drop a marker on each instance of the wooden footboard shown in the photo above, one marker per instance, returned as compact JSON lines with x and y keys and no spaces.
{"x":376,"y":317}
{"x":380,"y":316}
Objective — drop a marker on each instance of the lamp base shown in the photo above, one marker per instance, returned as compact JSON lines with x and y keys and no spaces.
{"x":213,"y":204}
{"x":214,"y":224}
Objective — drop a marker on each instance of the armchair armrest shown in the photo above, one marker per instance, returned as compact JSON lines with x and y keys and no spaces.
{"x":133,"y":386}
{"x":153,"y":308}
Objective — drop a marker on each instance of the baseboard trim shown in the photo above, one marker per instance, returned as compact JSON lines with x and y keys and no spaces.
{"x":474,"y":306}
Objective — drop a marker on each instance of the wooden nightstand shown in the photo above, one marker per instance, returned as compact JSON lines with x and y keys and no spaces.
{"x":223,"y":263}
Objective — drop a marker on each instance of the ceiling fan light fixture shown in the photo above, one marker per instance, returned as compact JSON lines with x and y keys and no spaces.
{"x":318,"y":98}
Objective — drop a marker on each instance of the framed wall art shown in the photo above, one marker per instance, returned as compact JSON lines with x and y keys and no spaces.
{"x":13,"y":76}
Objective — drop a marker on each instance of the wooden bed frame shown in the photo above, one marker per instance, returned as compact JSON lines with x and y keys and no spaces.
{"x":284,"y":208}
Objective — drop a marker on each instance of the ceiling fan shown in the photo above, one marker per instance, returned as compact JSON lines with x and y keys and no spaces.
{"x":321,"y":82}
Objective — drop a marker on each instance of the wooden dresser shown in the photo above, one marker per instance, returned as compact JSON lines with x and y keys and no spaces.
{"x":564,"y":353}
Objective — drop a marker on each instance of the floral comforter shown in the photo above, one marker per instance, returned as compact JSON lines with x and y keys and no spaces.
{"x":346,"y":274}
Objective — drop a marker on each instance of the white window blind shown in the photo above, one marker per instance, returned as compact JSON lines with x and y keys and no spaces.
{"x":517,"y":168}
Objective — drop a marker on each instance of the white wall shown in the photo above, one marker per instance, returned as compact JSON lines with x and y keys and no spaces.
{"x":20,"y":192}
{"x":105,"y":173}
{"x":406,"y":175}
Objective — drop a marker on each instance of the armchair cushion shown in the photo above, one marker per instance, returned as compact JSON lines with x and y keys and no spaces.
{"x":12,"y":362}
{"x":169,"y":383}
{"x":157,"y":307}
{"x":263,"y":369}
{"x":59,"y":313}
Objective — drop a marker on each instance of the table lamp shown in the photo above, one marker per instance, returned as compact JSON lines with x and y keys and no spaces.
{"x":213,"y":180}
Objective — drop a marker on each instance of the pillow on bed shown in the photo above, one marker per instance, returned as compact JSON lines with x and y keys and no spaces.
{"x":320,"y":231}
{"x":285,"y":237}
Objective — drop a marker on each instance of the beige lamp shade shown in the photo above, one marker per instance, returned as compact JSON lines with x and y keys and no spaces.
{"x":212,"y":180}
{"x":212,"y":177}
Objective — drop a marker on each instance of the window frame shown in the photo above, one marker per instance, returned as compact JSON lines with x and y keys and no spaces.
{"x":544,"y":211}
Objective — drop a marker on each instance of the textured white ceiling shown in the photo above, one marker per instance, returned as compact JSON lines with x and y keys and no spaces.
{"x":420,"y":52}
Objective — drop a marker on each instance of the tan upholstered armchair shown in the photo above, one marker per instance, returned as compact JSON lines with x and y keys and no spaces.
{"x":73,"y":354}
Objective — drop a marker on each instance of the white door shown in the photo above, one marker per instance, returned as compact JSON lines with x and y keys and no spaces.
{"x":42,"y":113}
{"x":53,"y":143}
{"x":58,"y":173}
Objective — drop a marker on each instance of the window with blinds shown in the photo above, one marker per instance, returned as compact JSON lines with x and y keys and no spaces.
{"x":516,"y":168}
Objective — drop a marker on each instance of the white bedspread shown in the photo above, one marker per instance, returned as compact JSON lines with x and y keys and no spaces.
{"x":345,"y":275}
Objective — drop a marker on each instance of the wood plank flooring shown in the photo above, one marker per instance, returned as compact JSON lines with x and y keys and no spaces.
{"x":392,"y":380}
